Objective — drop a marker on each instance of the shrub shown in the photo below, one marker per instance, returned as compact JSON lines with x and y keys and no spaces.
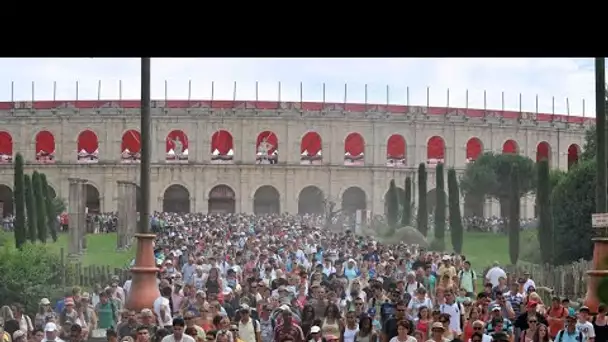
{"x":406,"y":216}
{"x":545,"y":217}
{"x":30,"y":204}
{"x":514,"y":224}
{"x":440,"y":206}
{"x":28,"y":275}
{"x":41,"y":213}
{"x":456,"y":228}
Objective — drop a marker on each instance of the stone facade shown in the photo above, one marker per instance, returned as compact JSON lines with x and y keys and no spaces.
{"x":287,"y":177}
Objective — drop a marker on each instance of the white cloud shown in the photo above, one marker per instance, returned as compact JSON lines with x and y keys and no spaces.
{"x":547,"y":78}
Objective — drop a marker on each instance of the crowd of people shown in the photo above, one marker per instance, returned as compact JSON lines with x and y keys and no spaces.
{"x":285,"y":278}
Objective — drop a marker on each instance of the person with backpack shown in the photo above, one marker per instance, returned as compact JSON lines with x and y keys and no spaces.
{"x":467,"y":278}
{"x":569,"y":333}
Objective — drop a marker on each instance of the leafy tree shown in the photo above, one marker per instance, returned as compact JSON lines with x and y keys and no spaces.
{"x":51,"y":213}
{"x":393,"y":206}
{"x":514,"y":224}
{"x":555,"y":176}
{"x":29,"y":274}
{"x":590,"y":146}
{"x":20,"y":228}
{"x":41,"y":214}
{"x":422,"y":220}
{"x":573,"y":201}
{"x":490,"y":175}
{"x":30,"y":204}
{"x":440,"y":205}
{"x":456,"y":227}
{"x":545,"y":217}
{"x":406,"y":217}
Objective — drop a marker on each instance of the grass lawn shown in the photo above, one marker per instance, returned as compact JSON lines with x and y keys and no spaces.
{"x":480,"y":248}
{"x":101,"y":249}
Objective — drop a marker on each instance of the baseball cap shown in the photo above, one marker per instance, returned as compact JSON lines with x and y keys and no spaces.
{"x":315,"y":330}
{"x":50,"y":327}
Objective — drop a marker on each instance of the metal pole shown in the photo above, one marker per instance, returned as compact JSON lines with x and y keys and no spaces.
{"x":600,"y":117}
{"x":144,"y":214}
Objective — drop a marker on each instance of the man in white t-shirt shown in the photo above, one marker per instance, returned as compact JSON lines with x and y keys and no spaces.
{"x":162,"y":308}
{"x":495,"y":273}
{"x":584,"y":326}
{"x":179,"y":325}
{"x":454,"y":309}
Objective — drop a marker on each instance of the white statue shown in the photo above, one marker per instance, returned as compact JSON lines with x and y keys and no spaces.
{"x":178,"y":147}
{"x":264,"y":148}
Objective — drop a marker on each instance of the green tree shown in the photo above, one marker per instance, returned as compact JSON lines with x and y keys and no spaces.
{"x":41,"y":213}
{"x":51,"y":213}
{"x":456,"y":227}
{"x":20,"y":228}
{"x":440,"y":206}
{"x":589,"y":148}
{"x":393,"y":206}
{"x":545,"y":216}
{"x":573,"y":202}
{"x":30,"y":204}
{"x":422,"y":220}
{"x":406,"y":216}
{"x":490,"y":175}
{"x":513,"y":219}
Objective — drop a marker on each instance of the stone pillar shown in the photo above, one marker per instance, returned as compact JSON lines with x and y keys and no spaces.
{"x":131,"y":212}
{"x":122,"y":216}
{"x":83,"y":211}
{"x":76,"y":204}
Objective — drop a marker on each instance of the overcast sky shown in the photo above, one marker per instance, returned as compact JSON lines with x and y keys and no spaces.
{"x":547,"y":78}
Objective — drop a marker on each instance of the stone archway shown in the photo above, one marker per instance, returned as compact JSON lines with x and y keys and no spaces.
{"x":267,"y":200}
{"x":311,"y":201}
{"x":222,"y":199}
{"x":6,"y":201}
{"x":176,"y":199}
{"x":353,"y":199}
{"x":93,"y":202}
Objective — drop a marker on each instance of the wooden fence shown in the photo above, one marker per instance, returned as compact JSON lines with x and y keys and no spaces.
{"x":76,"y":274}
{"x":566,"y":281}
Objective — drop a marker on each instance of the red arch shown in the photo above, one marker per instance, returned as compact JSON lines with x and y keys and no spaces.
{"x":179,"y":134}
{"x":45,"y":142}
{"x":543,"y":151}
{"x":311,"y":143}
{"x":510,"y":146}
{"x":474,"y":149}
{"x":573,"y":154}
{"x":395,"y":146}
{"x":6,"y":143}
{"x":131,"y":140}
{"x":354,"y":144}
{"x":435,"y":148}
{"x":222,"y":141}
{"x":270,"y":137}
{"x":87,"y":141}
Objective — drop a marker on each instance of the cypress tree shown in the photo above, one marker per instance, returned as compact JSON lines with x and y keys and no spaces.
{"x":48,"y":205}
{"x":440,"y":206}
{"x":393,"y":206}
{"x":456,"y":228}
{"x":545,"y":217}
{"x":514,"y":225}
{"x":406,"y":217}
{"x":422,"y":220}
{"x":19,"y":193}
{"x":30,"y":204}
{"x":41,"y":213}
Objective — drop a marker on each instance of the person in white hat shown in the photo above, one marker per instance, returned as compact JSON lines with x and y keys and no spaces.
{"x":51,"y":333}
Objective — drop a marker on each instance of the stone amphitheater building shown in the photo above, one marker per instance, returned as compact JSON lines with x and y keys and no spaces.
{"x":240,"y":156}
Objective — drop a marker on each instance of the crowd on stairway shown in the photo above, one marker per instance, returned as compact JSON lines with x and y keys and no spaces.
{"x":286,"y":278}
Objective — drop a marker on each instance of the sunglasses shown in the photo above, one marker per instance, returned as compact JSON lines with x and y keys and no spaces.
{"x":532,"y":321}
{"x":477,"y":328}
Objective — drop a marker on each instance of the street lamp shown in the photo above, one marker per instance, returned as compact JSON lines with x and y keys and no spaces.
{"x":144,"y":287}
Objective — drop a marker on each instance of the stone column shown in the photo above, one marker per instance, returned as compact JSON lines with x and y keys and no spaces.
{"x":122,"y":216}
{"x":131,"y":212}
{"x":83,"y":211}
{"x":76,"y":203}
